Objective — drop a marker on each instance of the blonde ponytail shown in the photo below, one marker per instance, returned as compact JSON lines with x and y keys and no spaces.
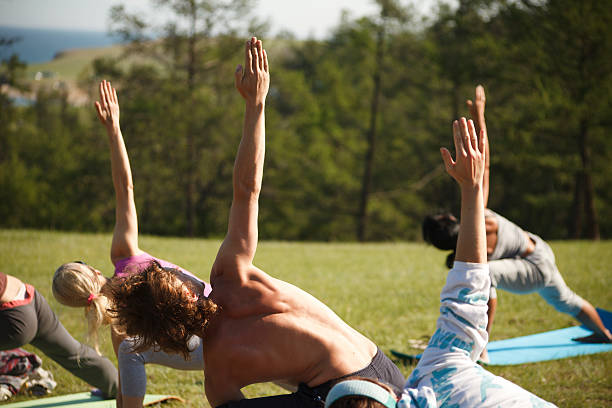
{"x":79,"y":285}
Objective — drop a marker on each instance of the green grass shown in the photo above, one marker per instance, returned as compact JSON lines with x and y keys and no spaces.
{"x":387,"y":291}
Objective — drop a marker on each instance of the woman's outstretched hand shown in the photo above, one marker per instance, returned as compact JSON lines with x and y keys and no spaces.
{"x":468,"y":167}
{"x":108,"y":106}
{"x":253,"y":79}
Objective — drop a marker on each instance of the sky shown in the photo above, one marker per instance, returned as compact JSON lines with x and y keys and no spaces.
{"x":304,"y":18}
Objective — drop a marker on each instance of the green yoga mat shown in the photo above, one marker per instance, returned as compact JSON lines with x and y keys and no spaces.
{"x":82,"y":399}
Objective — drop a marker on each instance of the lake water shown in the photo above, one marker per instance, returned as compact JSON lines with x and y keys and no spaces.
{"x":40,"y":45}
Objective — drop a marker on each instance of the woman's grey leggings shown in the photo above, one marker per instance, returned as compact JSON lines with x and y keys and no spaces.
{"x":132,"y":365}
{"x":536,"y":272}
{"x":36,"y":324}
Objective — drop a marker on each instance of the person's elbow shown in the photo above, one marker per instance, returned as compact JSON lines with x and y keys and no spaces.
{"x":247,"y":190}
{"x":127,"y":185}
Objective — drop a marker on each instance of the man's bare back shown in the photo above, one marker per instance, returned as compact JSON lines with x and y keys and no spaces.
{"x":270,"y":330}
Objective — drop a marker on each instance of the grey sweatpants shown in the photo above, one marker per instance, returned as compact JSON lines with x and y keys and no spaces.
{"x":36,"y":324}
{"x":535,"y":273}
{"x":132,"y":365}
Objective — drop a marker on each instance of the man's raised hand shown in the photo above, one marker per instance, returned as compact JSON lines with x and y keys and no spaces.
{"x":468,"y":167}
{"x":108,"y":106}
{"x":253,"y":79}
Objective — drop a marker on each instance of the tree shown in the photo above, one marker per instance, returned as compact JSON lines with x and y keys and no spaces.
{"x":576,"y":43}
{"x":196,"y":45}
{"x":391,"y":15}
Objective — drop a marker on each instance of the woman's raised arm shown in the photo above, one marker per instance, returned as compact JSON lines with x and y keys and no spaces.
{"x":125,"y":235}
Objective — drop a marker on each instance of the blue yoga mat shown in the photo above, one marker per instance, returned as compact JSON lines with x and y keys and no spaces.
{"x":552,"y":345}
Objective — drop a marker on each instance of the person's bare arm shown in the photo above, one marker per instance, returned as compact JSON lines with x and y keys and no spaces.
{"x":252,"y":81}
{"x":468,"y":169}
{"x":125,"y":235}
{"x":477,"y":113}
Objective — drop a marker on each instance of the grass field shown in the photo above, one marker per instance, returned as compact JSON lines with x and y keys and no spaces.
{"x":388,"y":291}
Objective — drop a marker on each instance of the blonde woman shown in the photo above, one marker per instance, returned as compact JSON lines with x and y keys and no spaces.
{"x":77,"y":284}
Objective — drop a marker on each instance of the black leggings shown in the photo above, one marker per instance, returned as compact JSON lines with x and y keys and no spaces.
{"x":36,"y":324}
{"x":381,"y":368}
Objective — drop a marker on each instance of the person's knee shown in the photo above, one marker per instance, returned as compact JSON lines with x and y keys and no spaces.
{"x":126,"y":357}
{"x":17,"y":335}
{"x":18,"y":328}
{"x":132,"y":371}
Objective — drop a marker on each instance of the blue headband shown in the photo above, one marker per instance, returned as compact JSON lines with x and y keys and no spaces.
{"x":360,"y":388}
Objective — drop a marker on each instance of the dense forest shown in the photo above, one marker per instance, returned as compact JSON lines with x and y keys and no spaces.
{"x":354,"y":123}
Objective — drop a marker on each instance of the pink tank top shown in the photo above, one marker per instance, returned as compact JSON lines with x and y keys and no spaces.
{"x":137,"y":263}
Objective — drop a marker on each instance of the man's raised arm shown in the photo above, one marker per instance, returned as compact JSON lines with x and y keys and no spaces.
{"x":252,"y":81}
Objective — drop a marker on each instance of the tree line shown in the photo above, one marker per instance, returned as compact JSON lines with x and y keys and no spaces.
{"x":354,"y":123}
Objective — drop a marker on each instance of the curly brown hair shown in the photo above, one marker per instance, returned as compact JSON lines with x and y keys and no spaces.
{"x":154,"y":307}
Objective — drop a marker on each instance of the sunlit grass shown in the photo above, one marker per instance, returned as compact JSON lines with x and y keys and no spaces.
{"x":388,"y":291}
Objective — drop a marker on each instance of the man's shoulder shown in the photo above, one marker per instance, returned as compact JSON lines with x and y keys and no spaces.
{"x":249,"y":293}
{"x":233,"y":276}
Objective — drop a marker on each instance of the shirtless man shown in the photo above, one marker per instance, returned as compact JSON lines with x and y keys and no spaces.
{"x":255,"y":328}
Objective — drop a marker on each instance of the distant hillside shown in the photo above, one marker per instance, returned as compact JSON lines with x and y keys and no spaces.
{"x":67,"y":65}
